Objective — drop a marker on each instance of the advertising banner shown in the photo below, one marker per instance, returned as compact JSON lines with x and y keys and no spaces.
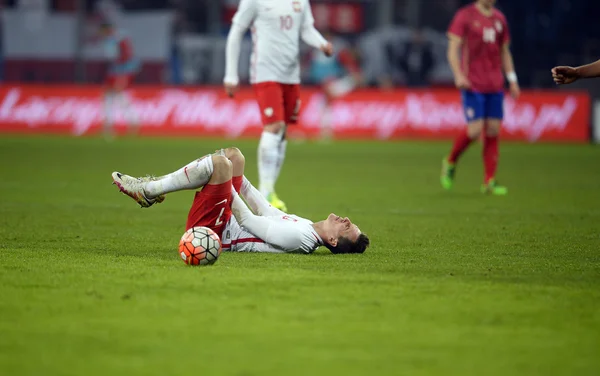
{"x":365,"y":114}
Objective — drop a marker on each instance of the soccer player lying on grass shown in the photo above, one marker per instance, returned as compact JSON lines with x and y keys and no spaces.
{"x":262,"y":229}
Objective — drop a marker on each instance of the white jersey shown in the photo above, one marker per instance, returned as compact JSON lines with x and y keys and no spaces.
{"x":277,"y":26}
{"x":267,"y":229}
{"x":291,"y":234}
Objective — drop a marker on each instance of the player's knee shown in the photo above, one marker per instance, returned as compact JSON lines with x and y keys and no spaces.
{"x":492,"y":128}
{"x":233,"y":153}
{"x":277,"y":127}
{"x":474,"y":129}
{"x":222,"y":168}
{"x":235,"y":156}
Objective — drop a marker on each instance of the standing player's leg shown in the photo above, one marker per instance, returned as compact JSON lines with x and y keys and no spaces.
{"x":493,"y":121}
{"x":129,"y":112}
{"x":326,"y":120}
{"x":473,"y":104}
{"x":334,"y":89}
{"x":272,"y":144}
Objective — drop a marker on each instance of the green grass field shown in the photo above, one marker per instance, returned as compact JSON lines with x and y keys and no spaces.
{"x":455,"y":283}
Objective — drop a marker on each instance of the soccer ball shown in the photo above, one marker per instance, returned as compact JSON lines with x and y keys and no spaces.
{"x":200,"y":246}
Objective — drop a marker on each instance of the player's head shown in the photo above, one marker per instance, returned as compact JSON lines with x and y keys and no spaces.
{"x":487,"y":3}
{"x":343,"y":236}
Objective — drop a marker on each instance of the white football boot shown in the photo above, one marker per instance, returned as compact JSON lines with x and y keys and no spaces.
{"x":134,"y":188}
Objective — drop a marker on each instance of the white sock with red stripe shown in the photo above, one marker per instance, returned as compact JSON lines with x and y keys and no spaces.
{"x":280,"y":157}
{"x":268,"y":157}
{"x":191,"y":176}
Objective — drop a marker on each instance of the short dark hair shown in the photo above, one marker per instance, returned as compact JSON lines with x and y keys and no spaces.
{"x":345,"y":245}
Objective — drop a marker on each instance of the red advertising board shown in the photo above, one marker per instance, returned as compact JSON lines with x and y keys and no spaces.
{"x":365,"y":114}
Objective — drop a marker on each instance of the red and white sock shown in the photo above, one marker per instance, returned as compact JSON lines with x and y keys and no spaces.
{"x":191,"y":176}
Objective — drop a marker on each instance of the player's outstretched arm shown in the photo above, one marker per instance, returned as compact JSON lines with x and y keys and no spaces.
{"x":564,"y":75}
{"x":242,"y":19}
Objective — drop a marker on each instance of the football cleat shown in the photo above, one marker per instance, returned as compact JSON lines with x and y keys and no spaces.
{"x":134,"y":188}
{"x":493,"y":188}
{"x":447,"y":175}
{"x":276,"y":202}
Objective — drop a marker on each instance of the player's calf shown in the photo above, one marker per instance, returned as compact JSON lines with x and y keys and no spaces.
{"x":222,"y":170}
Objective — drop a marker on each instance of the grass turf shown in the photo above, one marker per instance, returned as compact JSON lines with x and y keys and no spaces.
{"x":455,"y":283}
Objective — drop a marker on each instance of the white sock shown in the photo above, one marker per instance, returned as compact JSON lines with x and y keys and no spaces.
{"x":280,"y":158}
{"x":268,"y":156}
{"x":191,"y":176}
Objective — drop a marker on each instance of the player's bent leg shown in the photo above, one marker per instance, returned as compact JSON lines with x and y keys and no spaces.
{"x":238,"y":162}
{"x":237,"y":159}
{"x":222,"y":170}
{"x":149,"y":190}
{"x":490,"y":158}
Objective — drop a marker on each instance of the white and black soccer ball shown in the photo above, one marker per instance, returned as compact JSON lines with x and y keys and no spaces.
{"x":200,"y":246}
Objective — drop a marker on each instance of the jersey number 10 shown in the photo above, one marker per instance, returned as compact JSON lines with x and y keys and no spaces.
{"x":286,"y":22}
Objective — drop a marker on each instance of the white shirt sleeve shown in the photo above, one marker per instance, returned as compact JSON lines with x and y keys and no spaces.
{"x":243,"y":18}
{"x":309,"y":34}
{"x":277,"y":233}
{"x":256,"y":201}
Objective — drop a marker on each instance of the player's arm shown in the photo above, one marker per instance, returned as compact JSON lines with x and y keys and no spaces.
{"x":509,"y":69}
{"x":311,"y":36}
{"x":565,"y":75}
{"x":453,"y":54}
{"x":257,"y":201}
{"x":589,"y":71}
{"x":242,"y":20}
{"x":278,"y":234}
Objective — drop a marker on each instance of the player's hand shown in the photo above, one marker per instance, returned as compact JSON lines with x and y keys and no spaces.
{"x":230,"y":89}
{"x":327,"y":49}
{"x":515,"y":90}
{"x":462,"y":82}
{"x":564,"y":75}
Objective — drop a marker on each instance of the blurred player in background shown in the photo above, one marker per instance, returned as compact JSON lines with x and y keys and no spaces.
{"x":479,"y":33}
{"x":566,"y":75}
{"x":277,"y":27}
{"x":337,"y":76}
{"x":262,"y":229}
{"x":121,"y":71}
